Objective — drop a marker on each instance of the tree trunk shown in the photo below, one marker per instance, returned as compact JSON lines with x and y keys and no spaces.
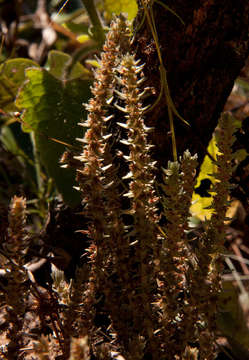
{"x":203,"y":57}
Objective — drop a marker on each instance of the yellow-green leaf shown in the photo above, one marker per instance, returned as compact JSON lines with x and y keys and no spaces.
{"x":12,"y":76}
{"x":119,"y":6}
{"x":83,"y":38}
{"x":200,"y":203}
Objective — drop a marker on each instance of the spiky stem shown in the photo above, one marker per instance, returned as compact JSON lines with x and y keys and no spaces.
{"x":96,"y":160}
{"x":142,"y":198}
{"x":175,"y":252}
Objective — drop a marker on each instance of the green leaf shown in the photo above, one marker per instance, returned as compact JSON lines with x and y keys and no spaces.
{"x":52,"y":110}
{"x":125,"y":6}
{"x":12,"y":76}
{"x":76,"y":28}
{"x":9,"y":141}
{"x":57,"y":61}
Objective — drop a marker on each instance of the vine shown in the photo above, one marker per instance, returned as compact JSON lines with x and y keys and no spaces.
{"x":164,"y":90}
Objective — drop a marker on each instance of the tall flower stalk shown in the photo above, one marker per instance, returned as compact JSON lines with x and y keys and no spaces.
{"x":205,"y":277}
{"x":17,"y":292}
{"x":96,"y":159}
{"x":175,"y":254}
{"x":143,"y":200}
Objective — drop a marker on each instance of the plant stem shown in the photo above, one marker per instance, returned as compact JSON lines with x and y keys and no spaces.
{"x":98,"y":31}
{"x":37,"y":164}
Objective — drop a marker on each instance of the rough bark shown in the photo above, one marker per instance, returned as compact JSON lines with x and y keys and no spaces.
{"x":203,"y":57}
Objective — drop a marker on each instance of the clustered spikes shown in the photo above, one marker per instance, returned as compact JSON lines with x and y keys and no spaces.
{"x":156,"y":278}
{"x":99,"y":185}
{"x":138,"y":246}
{"x":159,"y":292}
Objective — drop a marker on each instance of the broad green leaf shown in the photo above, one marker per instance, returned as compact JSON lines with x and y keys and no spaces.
{"x":125,"y":6}
{"x":200,"y":204}
{"x":52,"y":110}
{"x":12,"y":75}
{"x":57,"y":60}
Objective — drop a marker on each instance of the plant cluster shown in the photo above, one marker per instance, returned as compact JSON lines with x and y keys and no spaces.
{"x":155,"y":291}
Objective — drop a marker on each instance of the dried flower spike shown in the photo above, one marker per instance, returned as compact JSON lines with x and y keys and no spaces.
{"x":143,"y":200}
{"x":177,"y":318}
{"x":17,"y":222}
{"x":96,"y":170}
